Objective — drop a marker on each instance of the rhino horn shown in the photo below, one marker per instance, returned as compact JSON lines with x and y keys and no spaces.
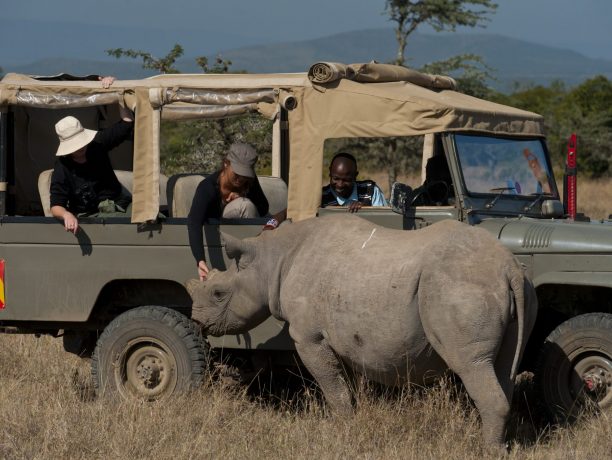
{"x":241,"y":250}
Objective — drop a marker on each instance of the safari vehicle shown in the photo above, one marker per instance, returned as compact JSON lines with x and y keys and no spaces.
{"x":115,"y":290}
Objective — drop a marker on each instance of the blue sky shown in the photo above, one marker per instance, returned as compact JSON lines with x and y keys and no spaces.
{"x":581,"y":25}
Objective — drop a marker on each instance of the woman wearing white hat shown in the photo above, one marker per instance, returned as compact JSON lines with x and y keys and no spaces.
{"x":83,"y":176}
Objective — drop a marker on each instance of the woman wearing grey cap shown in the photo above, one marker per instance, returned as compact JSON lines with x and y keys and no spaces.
{"x":231,"y":192}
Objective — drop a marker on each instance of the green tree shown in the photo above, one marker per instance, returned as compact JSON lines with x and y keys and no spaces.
{"x":585,"y":109}
{"x":199,"y":145}
{"x":588,"y":108}
{"x":402,"y":155}
{"x":469,"y":70}
{"x":163,"y":65}
{"x":442,"y":15}
{"x":220,"y":66}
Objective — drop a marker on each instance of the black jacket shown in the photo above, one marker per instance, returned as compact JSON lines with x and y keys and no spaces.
{"x":80,"y":187}
{"x":206,"y":205}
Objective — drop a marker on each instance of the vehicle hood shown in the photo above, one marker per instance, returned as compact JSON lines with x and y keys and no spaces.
{"x":528,"y":236}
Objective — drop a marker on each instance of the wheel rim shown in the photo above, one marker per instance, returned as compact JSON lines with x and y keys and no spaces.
{"x":591,"y":380}
{"x":146,"y":369}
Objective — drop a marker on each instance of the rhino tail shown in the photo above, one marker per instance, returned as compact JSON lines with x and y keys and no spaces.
{"x":517,"y":311}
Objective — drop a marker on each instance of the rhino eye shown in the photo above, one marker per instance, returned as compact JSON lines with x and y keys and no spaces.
{"x":219,"y":295}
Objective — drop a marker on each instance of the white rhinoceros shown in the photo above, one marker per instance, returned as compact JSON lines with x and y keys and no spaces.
{"x":392,"y":305}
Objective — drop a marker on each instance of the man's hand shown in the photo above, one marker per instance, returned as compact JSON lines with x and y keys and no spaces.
{"x":71,"y":223}
{"x":354,"y":206}
{"x":202,"y":270}
{"x":106,"y":81}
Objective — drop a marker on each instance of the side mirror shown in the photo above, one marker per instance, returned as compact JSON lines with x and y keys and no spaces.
{"x":552,"y":208}
{"x":399,"y":193}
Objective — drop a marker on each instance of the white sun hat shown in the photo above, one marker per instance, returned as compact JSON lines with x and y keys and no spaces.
{"x":72,"y":136}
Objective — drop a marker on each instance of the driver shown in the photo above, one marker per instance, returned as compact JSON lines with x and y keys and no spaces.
{"x":345,"y":190}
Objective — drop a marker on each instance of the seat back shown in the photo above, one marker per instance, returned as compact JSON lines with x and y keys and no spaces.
{"x":125,"y":178}
{"x":182,"y":187}
{"x":275,"y":190}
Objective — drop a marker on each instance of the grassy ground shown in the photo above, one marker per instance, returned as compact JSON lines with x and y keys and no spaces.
{"x":595,"y":198}
{"x":47,"y":410}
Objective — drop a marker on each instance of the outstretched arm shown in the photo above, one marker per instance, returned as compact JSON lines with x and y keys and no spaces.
{"x":202,"y":200}
{"x":71,"y":223}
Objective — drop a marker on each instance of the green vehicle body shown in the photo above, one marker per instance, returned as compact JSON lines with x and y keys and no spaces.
{"x":56,"y":283}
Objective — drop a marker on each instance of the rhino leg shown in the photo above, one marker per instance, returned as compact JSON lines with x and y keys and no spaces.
{"x":491,"y":399}
{"x":327,"y":369}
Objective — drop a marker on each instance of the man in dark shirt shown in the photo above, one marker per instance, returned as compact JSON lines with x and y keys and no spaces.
{"x":83,"y":176}
{"x":231,"y":192}
{"x":345,"y":190}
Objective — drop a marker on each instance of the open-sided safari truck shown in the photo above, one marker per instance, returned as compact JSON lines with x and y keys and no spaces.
{"x":116,"y":288}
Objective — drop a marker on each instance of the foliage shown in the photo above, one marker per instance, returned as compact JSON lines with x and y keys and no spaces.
{"x":585,"y":109}
{"x":400,"y":155}
{"x":469,"y":70}
{"x":220,"y":66}
{"x":199,"y":146}
{"x":190,"y":146}
{"x":163,"y":65}
{"x":394,"y":155}
{"x":440,"y":14}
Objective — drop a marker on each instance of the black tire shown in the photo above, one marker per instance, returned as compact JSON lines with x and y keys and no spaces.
{"x":574,"y":367}
{"x":149,"y":353}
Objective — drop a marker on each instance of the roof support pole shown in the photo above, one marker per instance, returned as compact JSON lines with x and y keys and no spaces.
{"x":3,"y":158}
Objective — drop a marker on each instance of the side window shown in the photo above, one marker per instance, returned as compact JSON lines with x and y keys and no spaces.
{"x":190,"y":150}
{"x":32,"y":147}
{"x":380,"y":162}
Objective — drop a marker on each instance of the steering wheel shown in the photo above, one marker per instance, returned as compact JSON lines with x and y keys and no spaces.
{"x":432,"y":193}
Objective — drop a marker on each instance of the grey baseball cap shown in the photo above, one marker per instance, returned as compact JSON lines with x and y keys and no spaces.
{"x":242,"y":158}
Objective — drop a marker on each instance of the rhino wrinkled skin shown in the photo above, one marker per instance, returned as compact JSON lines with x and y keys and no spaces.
{"x":393,"y":305}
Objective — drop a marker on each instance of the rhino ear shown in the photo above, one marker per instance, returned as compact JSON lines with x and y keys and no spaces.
{"x":192,"y":285}
{"x":242,"y":251}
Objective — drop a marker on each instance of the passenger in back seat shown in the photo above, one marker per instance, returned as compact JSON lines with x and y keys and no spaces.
{"x":232,"y":192}
{"x":83,"y":182}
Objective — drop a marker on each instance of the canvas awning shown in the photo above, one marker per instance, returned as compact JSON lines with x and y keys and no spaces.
{"x":339,"y":108}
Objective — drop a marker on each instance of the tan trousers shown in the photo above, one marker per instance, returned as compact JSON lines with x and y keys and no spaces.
{"x":240,"y":208}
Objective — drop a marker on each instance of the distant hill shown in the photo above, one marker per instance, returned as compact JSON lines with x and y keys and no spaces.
{"x":24,"y":41}
{"x":512,"y":60}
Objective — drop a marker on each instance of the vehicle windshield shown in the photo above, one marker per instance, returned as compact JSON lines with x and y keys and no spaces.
{"x":514,"y":166}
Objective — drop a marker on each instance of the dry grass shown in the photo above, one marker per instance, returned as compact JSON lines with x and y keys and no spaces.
{"x":595,"y":197}
{"x":46,"y":414}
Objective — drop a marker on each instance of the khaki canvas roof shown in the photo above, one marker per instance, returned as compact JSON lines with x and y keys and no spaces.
{"x":341,"y":107}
